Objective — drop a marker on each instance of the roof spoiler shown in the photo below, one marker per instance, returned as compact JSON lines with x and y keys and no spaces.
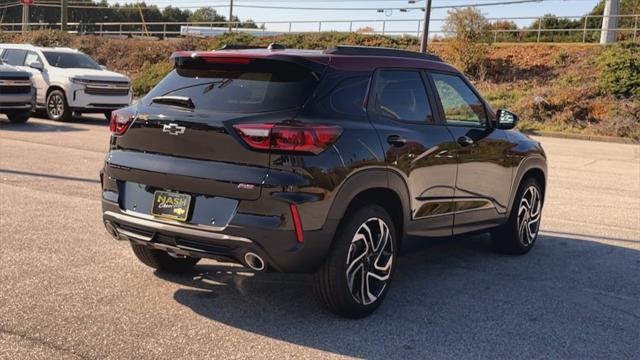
{"x":379,"y":51}
{"x":272,"y":46}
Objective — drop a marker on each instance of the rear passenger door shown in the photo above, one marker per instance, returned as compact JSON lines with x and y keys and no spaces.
{"x":484,"y":174}
{"x":417,"y":147}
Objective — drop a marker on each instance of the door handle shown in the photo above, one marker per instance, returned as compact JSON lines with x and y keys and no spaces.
{"x":396,"y":140}
{"x":465,"y":141}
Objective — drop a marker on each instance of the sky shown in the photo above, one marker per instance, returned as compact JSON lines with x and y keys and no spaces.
{"x":513,"y":11}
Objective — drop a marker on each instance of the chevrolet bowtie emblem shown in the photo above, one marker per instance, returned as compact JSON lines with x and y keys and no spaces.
{"x":173,"y":129}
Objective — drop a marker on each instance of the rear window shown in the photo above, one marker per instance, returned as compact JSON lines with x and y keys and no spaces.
{"x":260,"y":86}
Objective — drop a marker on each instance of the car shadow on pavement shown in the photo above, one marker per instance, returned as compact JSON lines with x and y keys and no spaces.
{"x":567,"y":298}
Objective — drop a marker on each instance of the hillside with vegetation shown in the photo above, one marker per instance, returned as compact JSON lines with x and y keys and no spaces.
{"x":577,"y":88}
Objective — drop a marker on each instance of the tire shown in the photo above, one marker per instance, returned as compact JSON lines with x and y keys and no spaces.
{"x":57,"y":108}
{"x":354,"y":254}
{"x":107,"y":114}
{"x":18,"y":117}
{"x":511,"y":238}
{"x":161,"y":260}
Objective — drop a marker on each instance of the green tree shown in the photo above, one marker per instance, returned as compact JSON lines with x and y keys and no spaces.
{"x":206,"y":14}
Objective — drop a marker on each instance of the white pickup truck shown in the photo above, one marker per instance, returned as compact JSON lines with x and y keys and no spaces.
{"x":68,"y":81}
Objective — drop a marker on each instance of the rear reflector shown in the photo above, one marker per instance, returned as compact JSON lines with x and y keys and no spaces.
{"x":120,"y":121}
{"x":289,"y":136}
{"x":297,"y":224}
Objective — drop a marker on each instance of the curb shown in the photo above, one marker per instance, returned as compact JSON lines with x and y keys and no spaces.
{"x":611,"y":139}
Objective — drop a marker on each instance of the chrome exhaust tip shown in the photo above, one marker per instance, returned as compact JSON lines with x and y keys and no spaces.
{"x":254,"y":261}
{"x":112,"y":229}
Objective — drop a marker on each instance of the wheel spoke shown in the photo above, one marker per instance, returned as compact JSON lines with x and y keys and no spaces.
{"x":368,"y":237}
{"x":363,"y":284}
{"x":351,"y":275}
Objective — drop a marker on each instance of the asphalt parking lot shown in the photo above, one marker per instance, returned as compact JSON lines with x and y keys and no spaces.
{"x":67,"y":290}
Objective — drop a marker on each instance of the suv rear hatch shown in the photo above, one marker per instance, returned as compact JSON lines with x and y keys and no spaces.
{"x":182,"y":136}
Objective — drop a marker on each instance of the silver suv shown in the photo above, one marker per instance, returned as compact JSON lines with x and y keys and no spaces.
{"x":17,"y":93}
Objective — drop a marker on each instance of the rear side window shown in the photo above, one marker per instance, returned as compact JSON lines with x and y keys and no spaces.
{"x":342,"y":93}
{"x":258,"y":86}
{"x":401,"y":95}
{"x":460,"y":104}
{"x":14,"y":57}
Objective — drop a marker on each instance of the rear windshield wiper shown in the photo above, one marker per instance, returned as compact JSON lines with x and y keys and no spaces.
{"x":181,"y":101}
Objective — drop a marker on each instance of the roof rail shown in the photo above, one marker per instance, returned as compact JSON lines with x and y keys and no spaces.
{"x":238,"y":47}
{"x":379,"y":51}
{"x":272,"y":46}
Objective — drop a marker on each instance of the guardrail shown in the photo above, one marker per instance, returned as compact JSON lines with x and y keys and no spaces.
{"x":393,"y":27}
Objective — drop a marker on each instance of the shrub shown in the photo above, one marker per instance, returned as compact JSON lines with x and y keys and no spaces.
{"x":620,"y":70}
{"x":46,"y":38}
{"x":561,"y":58}
{"x":150,"y":75}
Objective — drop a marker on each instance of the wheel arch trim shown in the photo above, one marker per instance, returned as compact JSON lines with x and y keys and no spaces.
{"x":531,"y":163}
{"x":367,"y":180}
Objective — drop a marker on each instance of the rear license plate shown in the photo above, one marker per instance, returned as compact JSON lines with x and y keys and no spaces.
{"x":171,"y":205}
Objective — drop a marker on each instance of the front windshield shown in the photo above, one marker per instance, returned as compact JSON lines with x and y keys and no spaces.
{"x":68,"y":60}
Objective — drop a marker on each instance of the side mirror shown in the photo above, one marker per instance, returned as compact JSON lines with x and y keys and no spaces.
{"x":36,"y":65}
{"x":506,"y":119}
{"x":103,"y":67}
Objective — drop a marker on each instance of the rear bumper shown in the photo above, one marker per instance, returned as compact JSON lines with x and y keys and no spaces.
{"x":276,"y":245}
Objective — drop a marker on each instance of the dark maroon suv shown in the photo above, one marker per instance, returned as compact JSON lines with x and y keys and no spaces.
{"x":316,"y":161}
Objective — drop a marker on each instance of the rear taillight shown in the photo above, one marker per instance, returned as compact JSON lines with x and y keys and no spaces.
{"x":120,"y":121}
{"x":293,"y":137}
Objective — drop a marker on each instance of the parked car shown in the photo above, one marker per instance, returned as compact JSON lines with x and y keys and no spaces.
{"x":317,"y":162}
{"x":68,"y":81}
{"x":17,"y":93}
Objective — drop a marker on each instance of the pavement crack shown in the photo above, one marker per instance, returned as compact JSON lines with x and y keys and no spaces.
{"x":44,"y":343}
{"x":615,"y":308}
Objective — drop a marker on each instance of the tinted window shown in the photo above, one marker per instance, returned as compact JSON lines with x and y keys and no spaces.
{"x":343,"y":94}
{"x":260,"y":86}
{"x":68,"y":60}
{"x":461,"y":105}
{"x":31,"y":58}
{"x":14,"y":57}
{"x":401,"y":95}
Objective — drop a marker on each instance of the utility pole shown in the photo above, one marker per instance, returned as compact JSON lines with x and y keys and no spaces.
{"x":425,"y":29}
{"x":610,"y":22}
{"x":25,"y":15}
{"x":230,"y":14}
{"x":64,"y":15}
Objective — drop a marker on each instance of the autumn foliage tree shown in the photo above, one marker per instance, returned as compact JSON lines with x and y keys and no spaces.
{"x":468,"y":34}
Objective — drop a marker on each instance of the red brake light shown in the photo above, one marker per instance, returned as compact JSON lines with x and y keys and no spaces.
{"x":120,"y":121}
{"x":294,"y":137}
{"x":227,"y":60}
